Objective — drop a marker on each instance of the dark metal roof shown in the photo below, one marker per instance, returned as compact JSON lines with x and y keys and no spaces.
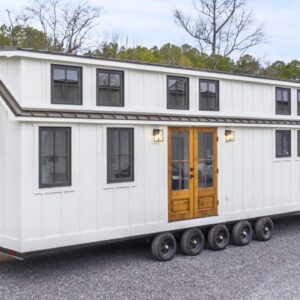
{"x":18,"y":111}
{"x":145,"y":63}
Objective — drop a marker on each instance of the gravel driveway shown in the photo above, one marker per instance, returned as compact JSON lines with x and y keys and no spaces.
{"x":269,"y":270}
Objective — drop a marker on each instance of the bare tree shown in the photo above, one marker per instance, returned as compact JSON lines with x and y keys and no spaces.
{"x":221,"y":27}
{"x":66,"y":26}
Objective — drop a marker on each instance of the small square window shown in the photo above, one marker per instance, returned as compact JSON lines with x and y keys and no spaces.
{"x":110,"y":88}
{"x":178,"y":92}
{"x":66,"y":85}
{"x":209,"y":95}
{"x":283,"y":101}
{"x":283,"y":143}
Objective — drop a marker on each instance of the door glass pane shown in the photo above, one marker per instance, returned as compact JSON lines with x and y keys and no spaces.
{"x":205,"y":159}
{"x":175,"y":176}
{"x":184,"y":176}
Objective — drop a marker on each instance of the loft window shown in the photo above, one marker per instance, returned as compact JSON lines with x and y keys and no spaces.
{"x":120,"y":160}
{"x":283,"y":143}
{"x":66,"y":85}
{"x":209,"y":95}
{"x":283,"y":101}
{"x":110,"y":88}
{"x":54,"y":156}
{"x":178,"y":92}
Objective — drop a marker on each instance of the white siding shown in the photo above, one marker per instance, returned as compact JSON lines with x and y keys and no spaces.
{"x":10,"y":181}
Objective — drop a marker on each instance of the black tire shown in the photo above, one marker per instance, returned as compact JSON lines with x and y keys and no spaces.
{"x":218,"y":237}
{"x":192,"y":241}
{"x":263,"y":229}
{"x":242,"y":233}
{"x":164,"y":246}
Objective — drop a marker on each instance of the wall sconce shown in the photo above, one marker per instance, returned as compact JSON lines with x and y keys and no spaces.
{"x":229,"y":135}
{"x":158,"y":135}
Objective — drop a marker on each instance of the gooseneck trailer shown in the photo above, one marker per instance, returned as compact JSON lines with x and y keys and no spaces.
{"x":95,"y":150}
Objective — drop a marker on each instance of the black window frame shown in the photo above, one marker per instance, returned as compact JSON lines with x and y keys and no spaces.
{"x":64,"y":101}
{"x":279,"y":103}
{"x":109,"y":72}
{"x":298,"y":143}
{"x":281,"y":132}
{"x":186,"y":93}
{"x":298,"y":102}
{"x":206,"y":94}
{"x":68,"y":182}
{"x":131,"y":136}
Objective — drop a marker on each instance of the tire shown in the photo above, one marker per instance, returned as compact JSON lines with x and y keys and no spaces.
{"x":218,"y":237}
{"x":192,"y":241}
{"x":263,"y":229}
{"x":163,"y":247}
{"x":242,"y":233}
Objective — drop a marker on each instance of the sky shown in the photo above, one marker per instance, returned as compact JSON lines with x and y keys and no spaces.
{"x":151,"y":22}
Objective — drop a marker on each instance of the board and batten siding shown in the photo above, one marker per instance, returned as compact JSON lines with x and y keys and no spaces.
{"x":144,"y":90}
{"x":92,"y":210}
{"x":10,"y":182}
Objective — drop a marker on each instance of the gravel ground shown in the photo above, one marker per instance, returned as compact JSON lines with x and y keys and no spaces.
{"x":269,"y":270}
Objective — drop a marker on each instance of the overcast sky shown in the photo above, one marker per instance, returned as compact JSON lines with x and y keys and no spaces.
{"x":150,"y":22}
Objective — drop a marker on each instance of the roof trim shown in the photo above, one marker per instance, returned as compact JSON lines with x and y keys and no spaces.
{"x":176,"y":67}
{"x":18,"y":111}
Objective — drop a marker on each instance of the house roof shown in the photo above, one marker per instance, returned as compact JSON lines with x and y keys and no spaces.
{"x":19,"y":51}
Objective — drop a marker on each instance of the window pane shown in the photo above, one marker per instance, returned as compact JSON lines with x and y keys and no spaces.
{"x":115,"y":97}
{"x":212,"y":87}
{"x":171,"y":85}
{"x":71,"y":93}
{"x":59,"y":74}
{"x":278,"y":94}
{"x":103,"y":79}
{"x":285,"y":95}
{"x":181,"y":101}
{"x":58,"y":92}
{"x":175,"y":176}
{"x":47,"y":171}
{"x":60,"y":170}
{"x":60,"y":143}
{"x":172,"y":100}
{"x":72,"y":76}
{"x":184,"y":176}
{"x":47,"y":141}
{"x":113,"y":142}
{"x":104,"y":95}
{"x":203,"y":87}
{"x":113,"y":166}
{"x":115,"y":80}
{"x":125,"y":170}
{"x":283,"y":143}
{"x":124,"y":142}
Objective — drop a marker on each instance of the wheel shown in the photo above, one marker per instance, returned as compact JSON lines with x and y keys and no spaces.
{"x":242,"y":233}
{"x":164,"y":246}
{"x":192,"y":241}
{"x":263,"y":229}
{"x":218,"y":237}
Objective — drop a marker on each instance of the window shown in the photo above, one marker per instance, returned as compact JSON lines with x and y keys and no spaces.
{"x":209,"y":95}
{"x":283,"y":101}
{"x":110,"y":88}
{"x":54,"y":157}
{"x":178,"y":92}
{"x":283,"y":143}
{"x":66,"y":85}
{"x":298,"y":140}
{"x":119,"y":155}
{"x":298,"y":102}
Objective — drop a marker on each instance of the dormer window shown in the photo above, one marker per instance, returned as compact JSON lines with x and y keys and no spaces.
{"x":110,"y":88}
{"x":178,"y":92}
{"x":66,"y":85}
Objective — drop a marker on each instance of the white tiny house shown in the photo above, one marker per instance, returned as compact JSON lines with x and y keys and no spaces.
{"x":95,"y":150}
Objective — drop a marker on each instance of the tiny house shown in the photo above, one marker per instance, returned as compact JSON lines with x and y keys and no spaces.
{"x":95,"y":150}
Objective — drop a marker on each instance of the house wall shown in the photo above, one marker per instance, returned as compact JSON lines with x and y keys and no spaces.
{"x":10,"y":182}
{"x":145,"y":89}
{"x":252,"y":183}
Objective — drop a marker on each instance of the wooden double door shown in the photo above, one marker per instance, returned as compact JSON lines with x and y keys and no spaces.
{"x":192,"y":171}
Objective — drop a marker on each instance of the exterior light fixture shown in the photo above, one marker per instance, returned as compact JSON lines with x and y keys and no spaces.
{"x":158,"y":135}
{"x":229,"y":135}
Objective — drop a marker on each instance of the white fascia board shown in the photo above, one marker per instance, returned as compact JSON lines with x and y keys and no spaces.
{"x":142,"y":67}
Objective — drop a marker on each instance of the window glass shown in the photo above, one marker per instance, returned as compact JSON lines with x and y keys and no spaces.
{"x":120,"y":155}
{"x":178,"y":92}
{"x":110,"y":90}
{"x":66,"y":85}
{"x":209,"y":95}
{"x":283,"y":143}
{"x":55,"y":157}
{"x":283,"y":101}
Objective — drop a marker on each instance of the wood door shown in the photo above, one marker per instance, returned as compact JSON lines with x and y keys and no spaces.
{"x":205,"y":165}
{"x":180,"y":169}
{"x":192,"y":173}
